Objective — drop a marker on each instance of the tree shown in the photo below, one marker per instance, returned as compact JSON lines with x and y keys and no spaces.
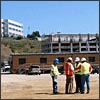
{"x":19,"y":37}
{"x":29,"y":36}
{"x":34,"y":35}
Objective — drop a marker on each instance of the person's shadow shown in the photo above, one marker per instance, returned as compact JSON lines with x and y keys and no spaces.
{"x":50,"y":93}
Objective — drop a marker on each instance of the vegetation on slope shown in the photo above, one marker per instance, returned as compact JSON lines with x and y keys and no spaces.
{"x":19,"y":46}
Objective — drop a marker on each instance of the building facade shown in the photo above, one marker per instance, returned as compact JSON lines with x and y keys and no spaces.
{"x":71,"y":43}
{"x":11,"y":28}
{"x":44,"y":60}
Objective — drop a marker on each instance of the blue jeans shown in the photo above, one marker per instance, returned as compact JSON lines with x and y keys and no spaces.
{"x":55,"y":87}
{"x":85,"y":78}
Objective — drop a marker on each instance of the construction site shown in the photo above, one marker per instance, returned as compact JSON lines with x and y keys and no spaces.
{"x":16,"y":86}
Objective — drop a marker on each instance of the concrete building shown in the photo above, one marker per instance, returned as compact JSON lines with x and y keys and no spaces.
{"x":71,"y":43}
{"x":10,"y":27}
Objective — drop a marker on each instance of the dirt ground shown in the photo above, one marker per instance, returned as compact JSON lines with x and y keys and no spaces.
{"x":40,"y":87}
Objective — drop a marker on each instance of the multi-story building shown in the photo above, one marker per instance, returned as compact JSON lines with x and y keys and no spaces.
{"x":71,"y":43}
{"x":59,"y":46}
{"x":10,"y":27}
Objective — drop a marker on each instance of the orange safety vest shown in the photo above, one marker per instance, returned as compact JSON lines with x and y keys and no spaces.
{"x":68,"y":70}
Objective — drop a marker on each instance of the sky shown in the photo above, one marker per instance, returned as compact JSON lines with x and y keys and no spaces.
{"x":48,"y":17}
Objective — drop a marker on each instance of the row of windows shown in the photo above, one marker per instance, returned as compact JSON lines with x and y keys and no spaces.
{"x":15,"y":25}
{"x":14,"y":29}
{"x":74,"y":50}
{"x":44,"y":60}
{"x":82,"y":49}
{"x":12,"y":33}
{"x":83,"y":44}
{"x":5,"y":29}
{"x":4,"y":22}
{"x":12,"y":24}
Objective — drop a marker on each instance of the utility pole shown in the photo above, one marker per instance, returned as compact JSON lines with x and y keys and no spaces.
{"x":28,"y":30}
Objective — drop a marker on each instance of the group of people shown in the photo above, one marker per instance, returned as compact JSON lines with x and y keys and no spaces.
{"x":81,"y":69}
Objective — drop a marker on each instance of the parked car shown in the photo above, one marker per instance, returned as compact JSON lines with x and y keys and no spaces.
{"x":6,"y":67}
{"x":95,"y":70}
{"x":34,"y":69}
{"x":45,"y":70}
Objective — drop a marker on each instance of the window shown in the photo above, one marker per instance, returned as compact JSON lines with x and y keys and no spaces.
{"x":75,"y":44}
{"x":83,"y":44}
{"x":13,"y":29}
{"x":15,"y":25}
{"x":16,"y":29}
{"x":5,"y":28}
{"x":43,"y":60}
{"x":91,"y":59}
{"x":3,"y":23}
{"x":6,"y":23}
{"x":63,"y":44}
{"x":92,"y":49}
{"x":83,"y":49}
{"x":55,"y":44}
{"x":92,"y":44}
{"x":10,"y":33}
{"x":55,"y":50}
{"x":10,"y":28}
{"x":61,"y":59}
{"x":22,"y":60}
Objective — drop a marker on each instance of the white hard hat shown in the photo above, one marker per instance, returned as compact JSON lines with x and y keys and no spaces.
{"x":77,"y":59}
{"x":83,"y":59}
{"x":70,"y":58}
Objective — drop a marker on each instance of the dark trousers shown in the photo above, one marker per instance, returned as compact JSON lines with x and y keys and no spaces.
{"x":55,"y":87}
{"x":69,"y":84}
{"x":78,"y":82}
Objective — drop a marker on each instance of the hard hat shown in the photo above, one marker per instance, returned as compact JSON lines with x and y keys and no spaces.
{"x":70,"y":58}
{"x":83,"y":59}
{"x":77,"y":59}
{"x":56,"y":60}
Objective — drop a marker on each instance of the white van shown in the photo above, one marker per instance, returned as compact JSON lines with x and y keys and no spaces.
{"x":34,"y":69}
{"x":6,"y":67}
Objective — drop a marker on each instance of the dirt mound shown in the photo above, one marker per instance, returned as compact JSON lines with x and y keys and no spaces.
{"x":5,"y":52}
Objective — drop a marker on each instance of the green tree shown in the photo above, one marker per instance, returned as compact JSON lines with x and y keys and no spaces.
{"x":34,"y":35}
{"x":19,"y":37}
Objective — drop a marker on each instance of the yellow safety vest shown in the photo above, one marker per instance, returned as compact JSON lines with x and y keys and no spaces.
{"x":55,"y":70}
{"x":85,"y":68}
{"x":76,"y":66}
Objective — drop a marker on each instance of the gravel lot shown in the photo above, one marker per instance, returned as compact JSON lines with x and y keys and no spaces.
{"x":15,"y":86}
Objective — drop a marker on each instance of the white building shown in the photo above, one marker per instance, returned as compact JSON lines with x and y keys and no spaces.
{"x":11,"y":27}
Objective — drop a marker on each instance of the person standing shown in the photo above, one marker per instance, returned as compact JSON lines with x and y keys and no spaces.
{"x":69,"y":76}
{"x":86,"y":69}
{"x":78,"y":75}
{"x":54,"y":73}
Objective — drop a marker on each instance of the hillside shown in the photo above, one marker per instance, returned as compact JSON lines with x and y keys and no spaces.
{"x":9,"y":46}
